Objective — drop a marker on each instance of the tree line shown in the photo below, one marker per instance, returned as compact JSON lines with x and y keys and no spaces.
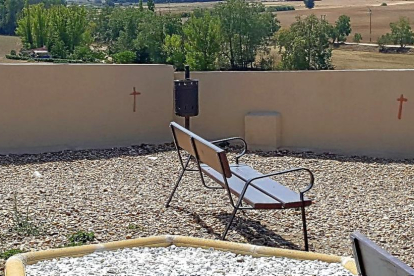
{"x":234,"y":35}
{"x":10,"y":11}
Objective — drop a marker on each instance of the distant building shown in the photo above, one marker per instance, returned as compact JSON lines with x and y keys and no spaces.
{"x":40,"y":53}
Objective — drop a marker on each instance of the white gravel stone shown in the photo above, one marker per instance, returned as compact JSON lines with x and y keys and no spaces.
{"x":174,"y":261}
{"x":37,"y":174}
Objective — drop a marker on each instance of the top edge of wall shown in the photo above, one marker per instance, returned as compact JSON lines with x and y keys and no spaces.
{"x":84,"y":64}
{"x":303,"y":71}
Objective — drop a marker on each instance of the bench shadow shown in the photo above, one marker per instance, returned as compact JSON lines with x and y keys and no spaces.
{"x":256,"y":233}
{"x":252,"y":230}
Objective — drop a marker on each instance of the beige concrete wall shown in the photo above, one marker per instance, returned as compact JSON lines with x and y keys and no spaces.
{"x":351,"y":112}
{"x":57,"y":107}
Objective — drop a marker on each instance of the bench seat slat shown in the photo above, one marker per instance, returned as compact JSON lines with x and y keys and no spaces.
{"x":283,"y":193}
{"x":254,"y":197}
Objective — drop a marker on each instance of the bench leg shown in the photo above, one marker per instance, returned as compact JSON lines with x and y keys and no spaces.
{"x":305,"y":232}
{"x":229,"y":223}
{"x":178,"y":182}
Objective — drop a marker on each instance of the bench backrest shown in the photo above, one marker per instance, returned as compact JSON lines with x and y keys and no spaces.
{"x":202,"y":149}
{"x":372,"y":260}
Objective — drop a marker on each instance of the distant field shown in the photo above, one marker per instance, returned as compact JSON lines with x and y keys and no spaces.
{"x":332,"y":9}
{"x":343,"y":60}
{"x":8,"y":43}
{"x":381,"y":17}
{"x":323,"y":4}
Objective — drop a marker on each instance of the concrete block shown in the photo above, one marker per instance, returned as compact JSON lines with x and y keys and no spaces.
{"x":263,"y":130}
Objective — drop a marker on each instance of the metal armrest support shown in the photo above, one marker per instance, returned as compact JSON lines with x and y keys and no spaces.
{"x":302,"y":192}
{"x":249,"y":182}
{"x":232,"y":139}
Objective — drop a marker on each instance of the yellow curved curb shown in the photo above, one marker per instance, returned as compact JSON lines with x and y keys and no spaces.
{"x":15,"y":266}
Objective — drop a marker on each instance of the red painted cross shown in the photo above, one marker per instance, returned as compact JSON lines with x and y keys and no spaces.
{"x":135,"y":93}
{"x":401,"y":99}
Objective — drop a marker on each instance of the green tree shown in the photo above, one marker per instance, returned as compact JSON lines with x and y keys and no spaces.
{"x":120,"y":20}
{"x":305,"y":46}
{"x":57,"y":48}
{"x":28,"y":25}
{"x":343,"y":27}
{"x":202,"y":42}
{"x":33,"y":26}
{"x":61,"y":28}
{"x":151,"y":5}
{"x":9,"y":13}
{"x":245,"y":29}
{"x":401,"y":32}
{"x":69,"y":25}
{"x":100,"y":28}
{"x":24,"y":29}
{"x":175,"y":51}
{"x":310,"y":4}
{"x":141,"y":6}
{"x":150,"y":41}
{"x":40,"y":25}
{"x":357,"y":38}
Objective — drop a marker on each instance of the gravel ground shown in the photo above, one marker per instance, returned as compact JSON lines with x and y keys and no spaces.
{"x":176,"y":261}
{"x":120,"y":194}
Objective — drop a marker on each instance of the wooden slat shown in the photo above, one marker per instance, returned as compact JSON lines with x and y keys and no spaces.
{"x":182,"y":139}
{"x":254,"y":197}
{"x":208,"y":153}
{"x":212,"y":158}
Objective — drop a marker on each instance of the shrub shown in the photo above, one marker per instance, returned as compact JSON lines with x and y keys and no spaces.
{"x":384,"y":4}
{"x":133,"y":226}
{"x":16,"y":57}
{"x":185,"y":14}
{"x":80,"y":238}
{"x":280,"y":8}
{"x":357,"y":37}
{"x":44,"y":59}
{"x":22,"y":224}
{"x":383,"y":40}
{"x":13,"y":52}
{"x":8,"y":253}
{"x":261,"y":8}
{"x":125,"y":57}
{"x":57,"y":60}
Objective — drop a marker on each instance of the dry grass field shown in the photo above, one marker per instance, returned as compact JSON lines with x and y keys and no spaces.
{"x":345,"y":60}
{"x":358,"y":11}
{"x":332,"y":9}
{"x":359,"y":14}
{"x":8,"y":43}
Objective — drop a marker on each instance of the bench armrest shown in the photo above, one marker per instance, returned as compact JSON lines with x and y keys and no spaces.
{"x":312,"y":179}
{"x":232,"y":139}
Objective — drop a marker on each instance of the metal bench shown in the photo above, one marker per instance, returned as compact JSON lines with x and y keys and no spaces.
{"x":372,"y":260}
{"x":254,"y":188}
